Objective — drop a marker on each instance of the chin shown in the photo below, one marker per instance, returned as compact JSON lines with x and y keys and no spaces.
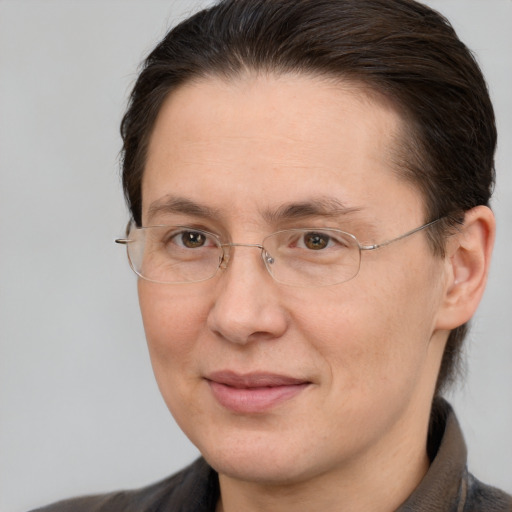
{"x":264,"y":469}
{"x":267,"y":458}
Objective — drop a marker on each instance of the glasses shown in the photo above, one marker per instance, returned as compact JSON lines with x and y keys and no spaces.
{"x":297,"y":257}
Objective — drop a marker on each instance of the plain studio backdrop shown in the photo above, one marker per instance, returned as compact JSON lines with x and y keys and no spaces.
{"x":79,"y":409}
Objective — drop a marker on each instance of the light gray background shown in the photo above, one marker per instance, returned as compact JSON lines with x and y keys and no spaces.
{"x":79,"y":410}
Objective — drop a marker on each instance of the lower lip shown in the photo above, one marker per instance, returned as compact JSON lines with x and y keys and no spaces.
{"x":253,"y":400}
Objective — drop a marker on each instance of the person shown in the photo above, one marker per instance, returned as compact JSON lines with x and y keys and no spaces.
{"x":309,"y":186}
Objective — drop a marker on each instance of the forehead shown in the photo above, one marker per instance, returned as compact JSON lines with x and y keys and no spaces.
{"x":288,"y":107}
{"x":271,"y":139}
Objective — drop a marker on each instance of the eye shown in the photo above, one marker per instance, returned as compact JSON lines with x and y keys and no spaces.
{"x":190,"y":239}
{"x":186,"y":238}
{"x":316,"y":241}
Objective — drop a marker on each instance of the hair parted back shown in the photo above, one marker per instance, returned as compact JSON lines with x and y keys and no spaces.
{"x":397,"y":48}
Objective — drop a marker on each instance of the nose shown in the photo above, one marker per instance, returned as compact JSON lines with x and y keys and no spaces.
{"x":247,"y":304}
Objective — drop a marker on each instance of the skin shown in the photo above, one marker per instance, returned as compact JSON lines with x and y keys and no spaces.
{"x":369,"y":349}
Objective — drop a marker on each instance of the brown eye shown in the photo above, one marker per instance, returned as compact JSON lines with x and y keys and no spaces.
{"x":316,"y":241}
{"x":192,"y":239}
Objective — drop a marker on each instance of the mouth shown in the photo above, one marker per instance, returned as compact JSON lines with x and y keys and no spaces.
{"x":253,"y":393}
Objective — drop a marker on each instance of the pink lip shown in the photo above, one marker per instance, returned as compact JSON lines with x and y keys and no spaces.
{"x":255,"y":392}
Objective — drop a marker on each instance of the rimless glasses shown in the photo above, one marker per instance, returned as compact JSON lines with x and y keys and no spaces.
{"x":297,"y":257}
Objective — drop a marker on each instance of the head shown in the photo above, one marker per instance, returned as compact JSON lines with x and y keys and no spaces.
{"x":401,"y":50}
{"x":397,"y":63}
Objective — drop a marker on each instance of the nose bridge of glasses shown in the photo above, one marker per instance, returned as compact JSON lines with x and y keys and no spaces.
{"x":227,"y":253}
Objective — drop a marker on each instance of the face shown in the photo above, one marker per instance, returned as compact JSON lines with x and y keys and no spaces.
{"x":276,"y":383}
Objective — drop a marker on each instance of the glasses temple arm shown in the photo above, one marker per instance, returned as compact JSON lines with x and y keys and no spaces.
{"x":405,"y":235}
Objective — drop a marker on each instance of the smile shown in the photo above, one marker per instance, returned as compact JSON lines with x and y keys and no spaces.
{"x":253,"y":393}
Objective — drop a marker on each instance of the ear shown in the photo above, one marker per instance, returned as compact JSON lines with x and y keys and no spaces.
{"x":468,"y":255}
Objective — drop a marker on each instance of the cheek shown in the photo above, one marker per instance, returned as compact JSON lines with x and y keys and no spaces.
{"x":172,"y":317}
{"x":370,"y":335}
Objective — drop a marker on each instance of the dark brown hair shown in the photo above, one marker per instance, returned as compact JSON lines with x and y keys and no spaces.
{"x":398,"y":48}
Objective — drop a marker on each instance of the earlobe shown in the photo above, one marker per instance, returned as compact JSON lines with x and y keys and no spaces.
{"x":467,"y":262}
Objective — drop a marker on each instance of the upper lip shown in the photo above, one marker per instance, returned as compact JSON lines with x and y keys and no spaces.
{"x":253,"y":380}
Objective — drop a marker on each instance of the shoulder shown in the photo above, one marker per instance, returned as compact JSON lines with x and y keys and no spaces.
{"x":193,"y":489}
{"x":484,"y":498}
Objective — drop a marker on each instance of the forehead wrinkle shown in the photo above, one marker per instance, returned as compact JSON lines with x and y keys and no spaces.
{"x":181,"y":205}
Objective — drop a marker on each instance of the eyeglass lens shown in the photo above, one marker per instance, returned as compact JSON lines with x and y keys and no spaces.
{"x":300,"y":257}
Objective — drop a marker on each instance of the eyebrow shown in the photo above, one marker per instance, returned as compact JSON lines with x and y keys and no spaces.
{"x":328,"y":207}
{"x":180,"y":205}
